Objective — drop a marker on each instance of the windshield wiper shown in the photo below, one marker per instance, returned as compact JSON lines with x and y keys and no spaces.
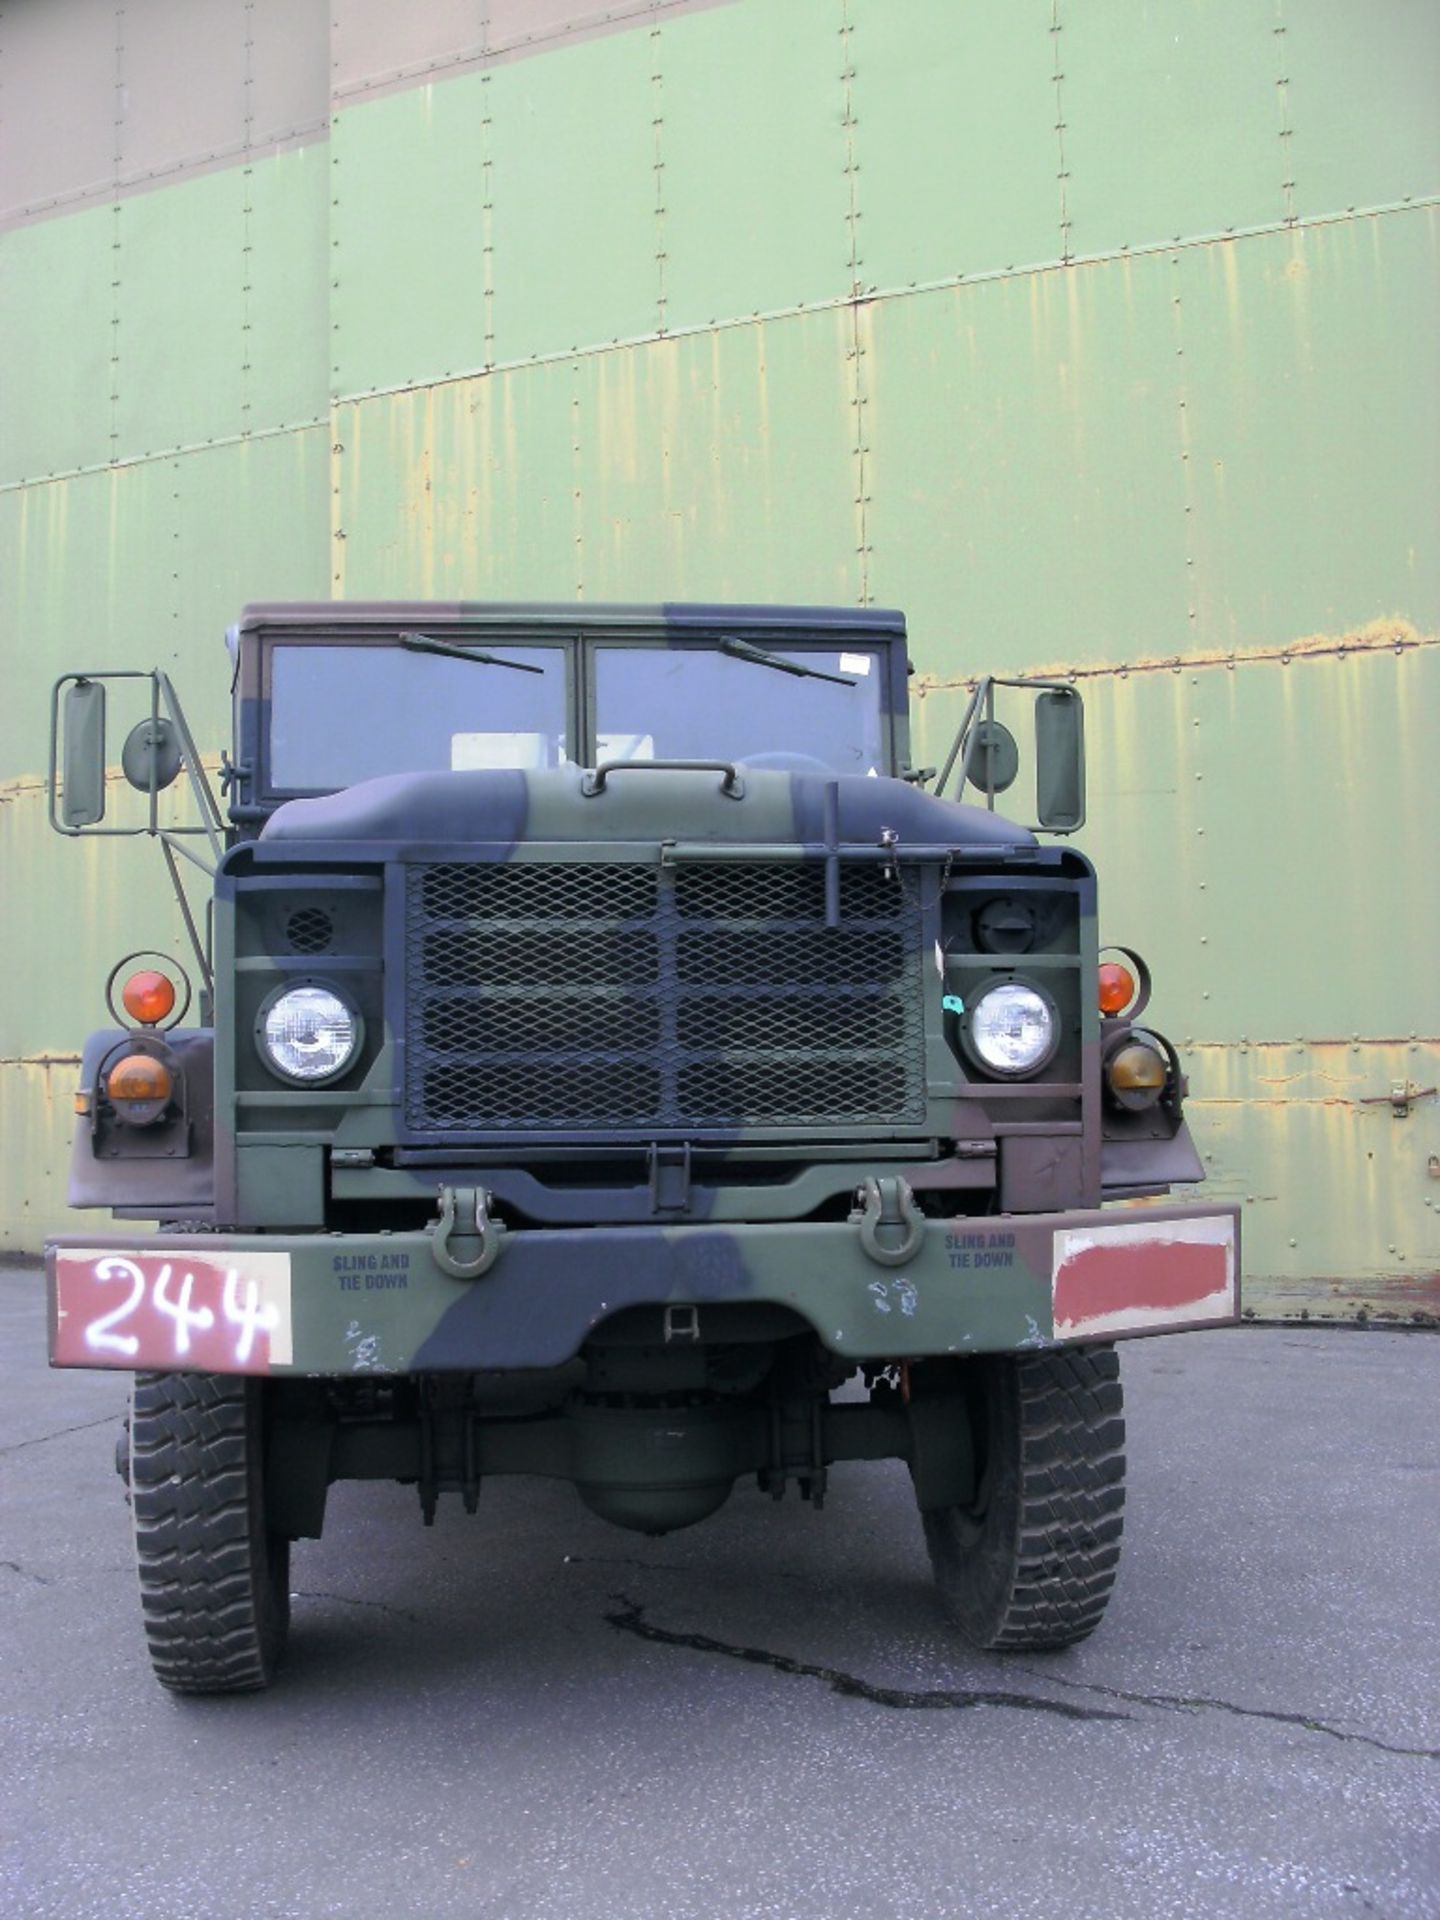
{"x":744,"y":650}
{"x":422,"y":643}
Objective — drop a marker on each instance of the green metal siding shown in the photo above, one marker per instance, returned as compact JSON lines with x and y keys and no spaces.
{"x":1359,"y":105}
{"x":1169,"y":121}
{"x":953,"y":112}
{"x":285,"y":308}
{"x":1312,"y":387}
{"x":180,"y":353}
{"x":407,"y":238}
{"x":750,"y":182}
{"x":57,"y":281}
{"x":1101,"y":340}
{"x":572,"y":198}
{"x":724,"y":458}
{"x":1024,"y":474}
{"x":148,"y":564}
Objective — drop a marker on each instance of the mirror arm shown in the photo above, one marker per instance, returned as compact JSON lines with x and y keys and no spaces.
{"x":171,"y":837}
{"x":197,"y":946}
{"x":973,"y":718}
{"x":959,"y":741}
{"x":199,"y":786}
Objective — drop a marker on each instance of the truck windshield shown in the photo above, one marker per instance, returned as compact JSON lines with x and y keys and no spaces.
{"x":691,"y":703}
{"x":341,"y":714}
{"x":344,"y":712}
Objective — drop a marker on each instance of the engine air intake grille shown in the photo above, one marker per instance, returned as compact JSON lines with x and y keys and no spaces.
{"x":630,"y":998}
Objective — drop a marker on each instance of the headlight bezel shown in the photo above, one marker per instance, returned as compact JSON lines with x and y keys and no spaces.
{"x":313,"y":984}
{"x":973,"y":1002}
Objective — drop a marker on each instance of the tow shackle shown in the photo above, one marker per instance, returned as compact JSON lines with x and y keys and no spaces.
{"x":465,"y":1241}
{"x":886,"y":1208}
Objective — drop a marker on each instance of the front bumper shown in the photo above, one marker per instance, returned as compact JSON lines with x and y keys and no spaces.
{"x":333,"y":1304}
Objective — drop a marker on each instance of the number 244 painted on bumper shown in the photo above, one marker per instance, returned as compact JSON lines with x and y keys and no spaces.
{"x":194,"y":1313}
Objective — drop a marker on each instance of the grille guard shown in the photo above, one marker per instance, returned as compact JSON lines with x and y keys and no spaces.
{"x":634,"y":998}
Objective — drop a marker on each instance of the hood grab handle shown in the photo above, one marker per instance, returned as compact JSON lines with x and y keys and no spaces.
{"x":732,"y":786}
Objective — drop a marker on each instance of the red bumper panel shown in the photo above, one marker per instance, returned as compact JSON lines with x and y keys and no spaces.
{"x":168,"y":1311}
{"x":1143,"y":1275}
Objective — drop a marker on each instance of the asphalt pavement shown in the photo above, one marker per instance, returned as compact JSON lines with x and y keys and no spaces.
{"x":528,"y":1714}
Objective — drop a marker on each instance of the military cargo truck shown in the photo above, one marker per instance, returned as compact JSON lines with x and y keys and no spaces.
{"x":609,"y":1047}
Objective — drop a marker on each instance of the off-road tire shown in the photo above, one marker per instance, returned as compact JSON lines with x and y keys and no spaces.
{"x":1031,"y":1563}
{"x":214,"y":1584}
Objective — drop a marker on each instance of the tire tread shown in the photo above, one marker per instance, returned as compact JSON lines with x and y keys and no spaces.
{"x":1050,"y":1563}
{"x":213,"y":1610}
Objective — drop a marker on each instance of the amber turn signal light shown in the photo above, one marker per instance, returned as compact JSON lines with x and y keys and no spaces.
{"x":1117,"y":987}
{"x":139,"y":1080}
{"x":1138,"y":1069}
{"x":1137,"y":1074}
{"x":148,"y":998}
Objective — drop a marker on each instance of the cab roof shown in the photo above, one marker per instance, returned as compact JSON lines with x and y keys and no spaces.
{"x":697,"y":615}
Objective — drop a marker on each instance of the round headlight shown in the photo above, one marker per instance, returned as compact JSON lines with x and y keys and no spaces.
{"x":308,"y":1034}
{"x":1012,"y":1028}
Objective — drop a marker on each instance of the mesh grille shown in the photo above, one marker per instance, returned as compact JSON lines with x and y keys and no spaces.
{"x":636,"y":998}
{"x":309,"y":930}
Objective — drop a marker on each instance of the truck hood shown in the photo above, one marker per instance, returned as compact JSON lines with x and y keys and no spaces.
{"x":639,"y":803}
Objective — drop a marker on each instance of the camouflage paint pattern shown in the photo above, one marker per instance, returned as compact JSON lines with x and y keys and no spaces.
{"x":379,"y":1304}
{"x":883,"y":1242}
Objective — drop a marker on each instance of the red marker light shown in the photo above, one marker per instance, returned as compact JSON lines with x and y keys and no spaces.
{"x":1117,"y":987}
{"x":148,"y":998}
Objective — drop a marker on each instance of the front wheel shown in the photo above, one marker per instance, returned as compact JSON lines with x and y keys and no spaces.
{"x":1030,"y":1563}
{"x":214,"y":1581}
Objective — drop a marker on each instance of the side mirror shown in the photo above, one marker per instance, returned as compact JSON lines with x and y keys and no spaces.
{"x":1060,"y":760}
{"x":996,"y":759}
{"x":82,"y":801}
{"x":151,"y":758}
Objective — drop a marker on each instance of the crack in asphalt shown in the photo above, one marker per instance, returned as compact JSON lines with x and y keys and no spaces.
{"x":354,"y":1600}
{"x":629,"y":1617}
{"x":1195,"y":1703}
{"x":25,"y":1573}
{"x":39,"y":1439}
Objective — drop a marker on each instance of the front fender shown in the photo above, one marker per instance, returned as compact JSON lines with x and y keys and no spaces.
{"x":1131,"y":1169}
{"x":149,"y":1173}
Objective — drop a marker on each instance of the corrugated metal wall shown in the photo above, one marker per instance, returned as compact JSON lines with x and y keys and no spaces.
{"x":1101,"y":339}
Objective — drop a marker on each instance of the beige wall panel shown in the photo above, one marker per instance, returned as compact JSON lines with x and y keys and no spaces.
{"x":516,"y":23}
{"x":289,"y":67}
{"x":57,"y":86}
{"x":182,"y":81}
{"x":375,"y":39}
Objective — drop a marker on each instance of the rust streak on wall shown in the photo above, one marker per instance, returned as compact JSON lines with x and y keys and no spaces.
{"x":1377,"y":636}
